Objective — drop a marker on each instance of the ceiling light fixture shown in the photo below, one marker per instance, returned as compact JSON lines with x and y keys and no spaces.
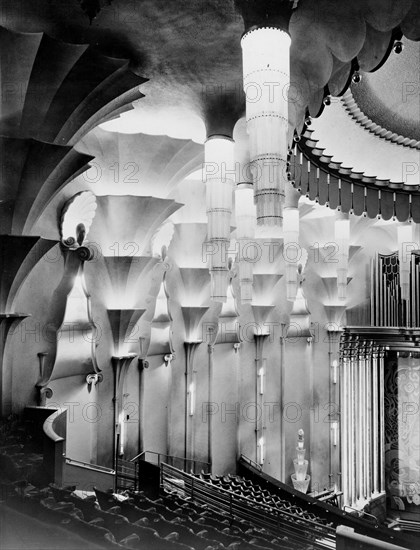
{"x":266,"y":74}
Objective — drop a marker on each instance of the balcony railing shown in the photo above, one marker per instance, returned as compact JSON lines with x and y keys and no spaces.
{"x":298,"y":529}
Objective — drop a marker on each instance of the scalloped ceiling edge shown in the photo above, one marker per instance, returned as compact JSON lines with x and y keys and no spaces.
{"x":353,"y":110}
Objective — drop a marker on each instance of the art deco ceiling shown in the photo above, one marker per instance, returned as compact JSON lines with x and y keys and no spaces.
{"x":189,"y":50}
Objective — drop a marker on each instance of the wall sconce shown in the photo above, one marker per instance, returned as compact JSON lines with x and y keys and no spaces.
{"x":261,"y":450}
{"x":334,"y":433}
{"x":168,"y":358}
{"x":334,"y":368}
{"x":236,"y":347}
{"x":261,"y":376}
{"x":191,"y":394}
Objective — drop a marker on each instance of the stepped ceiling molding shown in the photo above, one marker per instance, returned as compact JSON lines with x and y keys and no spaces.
{"x":139,"y":164}
{"x":62,"y":76}
{"x":55,"y":91}
{"x":33,"y":173}
{"x":191,"y":51}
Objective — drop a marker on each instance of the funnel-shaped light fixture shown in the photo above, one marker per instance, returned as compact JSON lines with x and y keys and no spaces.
{"x":342,"y":239}
{"x":291,"y":250}
{"x":405,"y":245}
{"x":218,"y":177}
{"x":245,"y":232}
{"x":266,"y":73}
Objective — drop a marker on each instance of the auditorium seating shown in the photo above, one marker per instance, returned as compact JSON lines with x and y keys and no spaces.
{"x":132,"y":519}
{"x":247,"y":489}
{"x":138,"y":522}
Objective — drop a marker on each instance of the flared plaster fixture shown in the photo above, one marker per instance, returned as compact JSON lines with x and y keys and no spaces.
{"x":192,"y":318}
{"x":71,"y":333}
{"x":218,"y":176}
{"x":300,"y":316}
{"x":342,"y":241}
{"x":229,"y":330}
{"x":161,"y":325}
{"x":245,"y":233}
{"x":266,"y":75}
{"x":123,"y":324}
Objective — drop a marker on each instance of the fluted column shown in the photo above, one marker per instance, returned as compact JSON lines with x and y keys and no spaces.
{"x":345,"y":380}
{"x":381,"y":421}
{"x":210,"y":350}
{"x":362,"y":420}
{"x":260,"y":377}
{"x":353,"y":426}
{"x":369,"y":418}
{"x":190,"y":393}
{"x":375,"y":425}
{"x":361,"y":367}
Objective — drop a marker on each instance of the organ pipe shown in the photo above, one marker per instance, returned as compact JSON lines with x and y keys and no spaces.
{"x":362,"y":420}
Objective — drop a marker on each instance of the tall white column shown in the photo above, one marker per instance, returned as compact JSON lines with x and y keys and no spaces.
{"x":369,"y":419}
{"x":353,"y":428}
{"x":362,"y":421}
{"x":344,"y":425}
{"x":375,"y":426}
{"x":218,"y":175}
{"x":245,"y":233}
{"x":381,"y":420}
{"x":266,"y":72}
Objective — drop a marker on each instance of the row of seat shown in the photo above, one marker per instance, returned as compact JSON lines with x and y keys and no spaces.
{"x":135,"y":521}
{"x":170,"y":522}
{"x":196,"y":525}
{"x":287,"y":528}
{"x":247,"y":489}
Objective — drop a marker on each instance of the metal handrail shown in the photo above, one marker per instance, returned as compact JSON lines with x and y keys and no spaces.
{"x":243,"y":507}
{"x":172,"y":457}
{"x":252,"y":462}
{"x":89,"y":466}
{"x":139,"y":455}
{"x":362,"y":513}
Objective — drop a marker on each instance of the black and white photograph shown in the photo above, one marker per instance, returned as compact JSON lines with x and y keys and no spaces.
{"x":209,"y":274}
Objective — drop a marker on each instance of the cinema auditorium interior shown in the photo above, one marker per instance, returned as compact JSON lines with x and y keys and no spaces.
{"x":210,"y":274}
